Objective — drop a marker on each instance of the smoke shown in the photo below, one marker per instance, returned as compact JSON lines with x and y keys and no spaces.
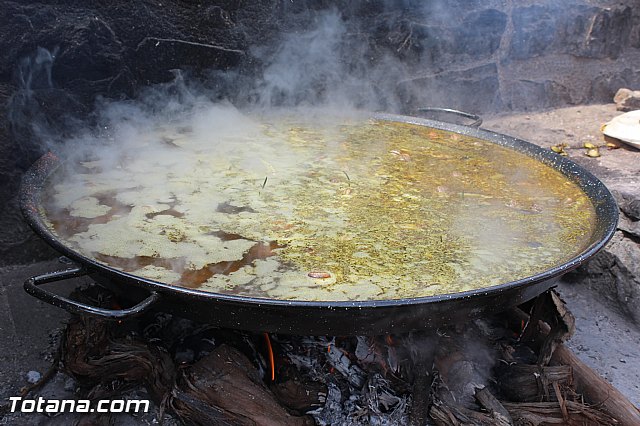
{"x":34,"y":72}
{"x":321,"y":57}
{"x":331,"y":63}
{"x":323,"y":65}
{"x":40,"y":115}
{"x":474,"y":368}
{"x":25,"y":113}
{"x":306,"y":68}
{"x":327,"y":64}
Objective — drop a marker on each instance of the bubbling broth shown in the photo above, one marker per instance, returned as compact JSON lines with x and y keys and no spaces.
{"x":292,"y":210}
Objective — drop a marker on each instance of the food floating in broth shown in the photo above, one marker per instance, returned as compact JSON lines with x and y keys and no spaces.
{"x":294,"y":209}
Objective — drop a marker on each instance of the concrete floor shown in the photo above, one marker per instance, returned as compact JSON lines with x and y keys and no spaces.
{"x":28,"y":327}
{"x":605,"y":339}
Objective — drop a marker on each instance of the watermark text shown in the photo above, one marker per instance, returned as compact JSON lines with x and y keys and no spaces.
{"x":42,"y":405}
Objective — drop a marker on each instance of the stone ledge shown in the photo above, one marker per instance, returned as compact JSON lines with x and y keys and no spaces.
{"x":614,"y":272}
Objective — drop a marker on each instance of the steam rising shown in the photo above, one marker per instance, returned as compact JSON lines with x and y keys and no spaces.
{"x":328,"y":61}
{"x":324,"y":74}
{"x":35,"y":71}
{"x":304,"y":69}
{"x":306,"y":64}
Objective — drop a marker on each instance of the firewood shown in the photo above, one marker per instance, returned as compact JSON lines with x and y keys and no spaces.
{"x":562,"y":328}
{"x":444,"y":414}
{"x":224,"y":387}
{"x":420,"y":391}
{"x":587,"y":382}
{"x":446,"y":410}
{"x":548,"y":307}
{"x":493,"y":406}
{"x":297,"y":392}
{"x":596,"y":390}
{"x":92,"y":358}
{"x":550,"y":413}
{"x":522,"y":383}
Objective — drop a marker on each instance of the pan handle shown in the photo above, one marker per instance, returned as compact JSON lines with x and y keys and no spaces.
{"x":32,"y":286}
{"x":477,"y":119}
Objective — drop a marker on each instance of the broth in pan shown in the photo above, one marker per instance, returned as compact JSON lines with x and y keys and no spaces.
{"x":293,"y":210}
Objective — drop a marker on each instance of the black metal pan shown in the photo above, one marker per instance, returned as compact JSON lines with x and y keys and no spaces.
{"x":310,"y":317}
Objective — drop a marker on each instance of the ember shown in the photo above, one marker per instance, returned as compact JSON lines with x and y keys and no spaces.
{"x":487,"y":372}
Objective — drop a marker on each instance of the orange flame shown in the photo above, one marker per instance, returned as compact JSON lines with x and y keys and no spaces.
{"x":271,"y":360}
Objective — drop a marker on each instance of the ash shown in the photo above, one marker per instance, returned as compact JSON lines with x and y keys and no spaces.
{"x":357,"y":392}
{"x":387,"y":380}
{"x":474,"y":373}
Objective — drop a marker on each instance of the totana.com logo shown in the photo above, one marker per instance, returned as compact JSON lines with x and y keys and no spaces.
{"x":42,"y":405}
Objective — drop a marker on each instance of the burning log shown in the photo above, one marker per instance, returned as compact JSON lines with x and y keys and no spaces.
{"x":421,"y":395}
{"x":93,"y":359}
{"x":459,"y":382}
{"x":522,"y":382}
{"x":493,"y":406}
{"x":446,"y":411}
{"x":585,"y":381}
{"x":549,"y":308}
{"x":297,"y":392}
{"x":445,"y":376}
{"x":225,"y":388}
{"x":451,"y":415}
{"x":341,"y":362}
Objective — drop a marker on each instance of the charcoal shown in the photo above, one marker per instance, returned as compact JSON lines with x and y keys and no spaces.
{"x":478,"y":373}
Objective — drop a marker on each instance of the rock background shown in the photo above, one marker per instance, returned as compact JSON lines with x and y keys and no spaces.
{"x":58,"y":56}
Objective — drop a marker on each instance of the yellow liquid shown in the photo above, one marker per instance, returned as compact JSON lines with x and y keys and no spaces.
{"x":367,"y":210}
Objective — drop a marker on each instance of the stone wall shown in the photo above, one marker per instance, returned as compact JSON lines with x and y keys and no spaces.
{"x":615,"y":271}
{"x":58,"y":56}
{"x":531,"y":55}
